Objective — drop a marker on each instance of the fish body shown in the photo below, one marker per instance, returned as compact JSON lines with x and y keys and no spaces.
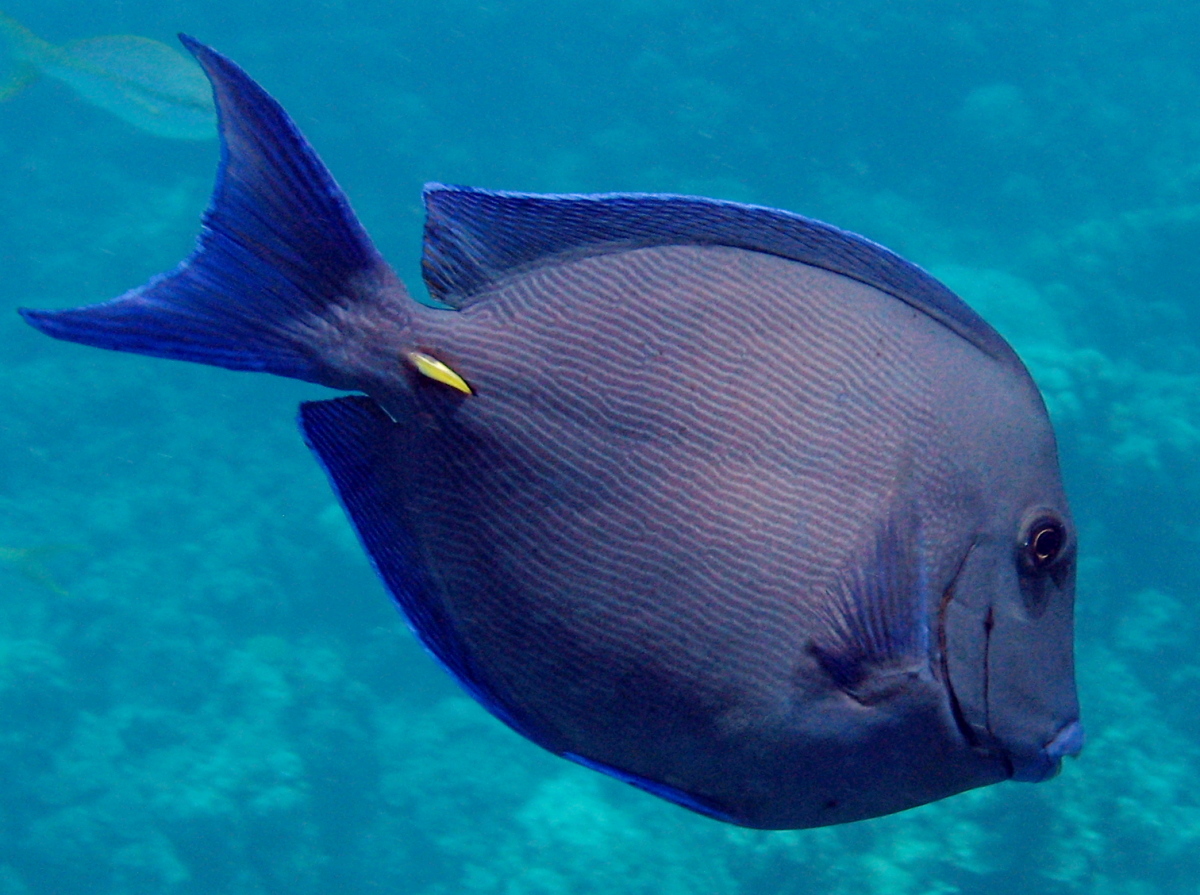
{"x":141,"y":81}
{"x":730,"y":504}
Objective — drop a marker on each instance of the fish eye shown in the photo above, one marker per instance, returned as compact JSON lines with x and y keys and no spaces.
{"x":1043,"y":543}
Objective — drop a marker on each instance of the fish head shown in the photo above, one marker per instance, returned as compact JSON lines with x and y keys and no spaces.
{"x":1006,"y":622}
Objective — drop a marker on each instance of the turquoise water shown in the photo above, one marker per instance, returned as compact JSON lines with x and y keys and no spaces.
{"x":202,"y":687}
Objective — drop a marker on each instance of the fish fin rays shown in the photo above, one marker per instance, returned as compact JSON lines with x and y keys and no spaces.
{"x":280,"y":253}
{"x":364,"y":454}
{"x":876,"y":630}
{"x":476,"y":238}
{"x":707,"y":807}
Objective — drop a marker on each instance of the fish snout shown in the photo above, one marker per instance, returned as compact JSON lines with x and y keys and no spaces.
{"x":1047,"y":762}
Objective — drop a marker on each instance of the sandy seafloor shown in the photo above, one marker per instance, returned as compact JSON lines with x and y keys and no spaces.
{"x":210,"y":693}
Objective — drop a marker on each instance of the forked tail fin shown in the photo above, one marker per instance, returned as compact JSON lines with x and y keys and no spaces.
{"x":281,"y":261}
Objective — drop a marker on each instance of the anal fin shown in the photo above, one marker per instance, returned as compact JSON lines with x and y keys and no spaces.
{"x":365,"y":455}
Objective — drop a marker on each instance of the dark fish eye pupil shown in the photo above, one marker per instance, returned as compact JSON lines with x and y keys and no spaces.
{"x":1046,"y":543}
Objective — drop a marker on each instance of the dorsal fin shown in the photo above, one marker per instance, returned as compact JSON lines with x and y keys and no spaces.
{"x":476,"y":238}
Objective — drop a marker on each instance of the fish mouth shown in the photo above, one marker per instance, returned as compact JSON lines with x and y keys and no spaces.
{"x":965,"y":648}
{"x":1048,"y":761}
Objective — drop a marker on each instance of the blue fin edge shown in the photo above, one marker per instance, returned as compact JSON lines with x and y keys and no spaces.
{"x":359,"y":447}
{"x":279,"y":249}
{"x":475,"y":238}
{"x":662,"y":790}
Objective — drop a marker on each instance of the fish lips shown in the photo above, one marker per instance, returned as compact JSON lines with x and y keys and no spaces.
{"x":1009,"y":673}
{"x":1047,"y":761}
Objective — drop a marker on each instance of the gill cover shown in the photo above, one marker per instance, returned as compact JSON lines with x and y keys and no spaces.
{"x":1006,"y":643}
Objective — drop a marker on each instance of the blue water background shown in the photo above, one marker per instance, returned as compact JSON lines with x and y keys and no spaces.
{"x":222,"y":700}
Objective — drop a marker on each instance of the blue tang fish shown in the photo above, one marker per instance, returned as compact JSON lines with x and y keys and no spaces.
{"x":725,"y":502}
